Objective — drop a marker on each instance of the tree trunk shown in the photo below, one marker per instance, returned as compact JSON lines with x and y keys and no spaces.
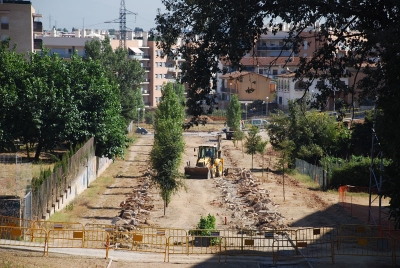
{"x":38,"y":150}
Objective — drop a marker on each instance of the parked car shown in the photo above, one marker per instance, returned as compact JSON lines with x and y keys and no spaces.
{"x":260,"y":123}
{"x":141,"y":130}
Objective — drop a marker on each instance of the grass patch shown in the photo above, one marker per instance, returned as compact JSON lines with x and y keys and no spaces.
{"x":61,"y":217}
{"x":306,"y":180}
{"x":97,"y":187}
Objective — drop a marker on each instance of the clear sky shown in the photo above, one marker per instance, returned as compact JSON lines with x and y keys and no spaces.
{"x":93,"y":13}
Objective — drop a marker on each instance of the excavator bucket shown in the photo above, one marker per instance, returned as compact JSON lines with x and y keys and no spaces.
{"x":197,"y":172}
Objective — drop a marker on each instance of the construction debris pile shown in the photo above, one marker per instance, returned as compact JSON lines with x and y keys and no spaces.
{"x":136,"y":208}
{"x":249,"y":206}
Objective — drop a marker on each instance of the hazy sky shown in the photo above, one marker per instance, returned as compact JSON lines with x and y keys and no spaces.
{"x":93,"y":13}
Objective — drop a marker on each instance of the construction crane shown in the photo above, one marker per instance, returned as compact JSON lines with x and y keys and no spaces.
{"x":122,"y":23}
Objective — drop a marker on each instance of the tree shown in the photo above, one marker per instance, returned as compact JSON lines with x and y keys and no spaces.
{"x":166,"y":155}
{"x":52,"y":100}
{"x":261,"y":149}
{"x":233,"y":114}
{"x":13,"y":74}
{"x":127,"y":73}
{"x":313,"y":133}
{"x":252,"y":143}
{"x":238,"y":135}
{"x":286,"y":149}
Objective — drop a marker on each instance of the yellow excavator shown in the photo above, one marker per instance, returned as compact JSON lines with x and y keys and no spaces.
{"x":209,"y":162}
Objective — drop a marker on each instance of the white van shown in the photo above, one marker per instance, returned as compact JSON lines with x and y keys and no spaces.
{"x":260,"y":123}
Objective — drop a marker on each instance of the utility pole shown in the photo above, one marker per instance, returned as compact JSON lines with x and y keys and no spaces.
{"x":122,"y":23}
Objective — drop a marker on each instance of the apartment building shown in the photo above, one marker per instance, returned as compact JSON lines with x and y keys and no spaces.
{"x":18,"y":22}
{"x":158,"y":70}
{"x":64,"y":44}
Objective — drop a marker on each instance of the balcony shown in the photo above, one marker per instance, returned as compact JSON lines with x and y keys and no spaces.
{"x":37,"y":26}
{"x":145,"y":92}
{"x":172,"y":70}
{"x":273,"y":47}
{"x":147,"y":69}
{"x":146,"y":81}
{"x":37,"y":43}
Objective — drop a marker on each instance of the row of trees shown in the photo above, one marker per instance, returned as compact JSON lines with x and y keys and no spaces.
{"x":46,"y":100}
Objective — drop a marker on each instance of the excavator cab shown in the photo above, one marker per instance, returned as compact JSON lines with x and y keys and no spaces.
{"x":209,"y":163}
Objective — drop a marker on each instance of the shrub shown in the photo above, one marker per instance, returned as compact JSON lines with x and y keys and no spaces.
{"x":205,"y":226}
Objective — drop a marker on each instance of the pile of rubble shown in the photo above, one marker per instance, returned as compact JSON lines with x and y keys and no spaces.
{"x":248,"y":204}
{"x":136,"y":208}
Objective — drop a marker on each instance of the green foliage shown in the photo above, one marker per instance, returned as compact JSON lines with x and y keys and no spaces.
{"x":313,"y":133}
{"x":354,"y":173}
{"x":233,"y":114}
{"x":149,"y":118}
{"x":43,"y":176}
{"x":205,"y":226}
{"x":252,"y":142}
{"x":238,"y":135}
{"x":286,"y":148}
{"x":125,"y":72}
{"x":48,"y":100}
{"x":168,"y":147}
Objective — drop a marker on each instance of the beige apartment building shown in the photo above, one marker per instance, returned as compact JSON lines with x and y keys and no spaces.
{"x":158,"y":70}
{"x":18,"y":22}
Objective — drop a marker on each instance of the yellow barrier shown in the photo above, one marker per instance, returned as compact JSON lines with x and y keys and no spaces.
{"x":14,"y":221}
{"x":365,"y":246}
{"x":360,"y":230}
{"x":67,"y":238}
{"x":279,"y":244}
{"x":138,"y":241}
{"x":315,"y":242}
{"x":161,"y":231}
{"x":22,"y":236}
{"x":196,"y":245}
{"x":54,"y":225}
{"x":97,"y":226}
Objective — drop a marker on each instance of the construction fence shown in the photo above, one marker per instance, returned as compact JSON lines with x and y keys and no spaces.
{"x":280,"y":245}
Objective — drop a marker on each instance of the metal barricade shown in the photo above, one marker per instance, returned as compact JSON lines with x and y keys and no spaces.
{"x":195,"y":245}
{"x":14,"y":221}
{"x":161,"y":231}
{"x":22,"y":236}
{"x":315,"y":242}
{"x":365,"y":246}
{"x":54,"y":225}
{"x":360,"y":230}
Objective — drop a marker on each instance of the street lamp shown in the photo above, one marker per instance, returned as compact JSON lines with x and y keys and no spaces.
{"x":230,"y":90}
{"x":266,"y":111}
{"x":246,"y":110}
{"x":138,"y":116}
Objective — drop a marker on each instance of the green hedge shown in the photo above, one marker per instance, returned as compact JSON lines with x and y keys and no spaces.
{"x":356,"y":173}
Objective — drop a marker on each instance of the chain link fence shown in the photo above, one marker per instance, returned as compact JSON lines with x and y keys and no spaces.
{"x":15,"y":176}
{"x":317,"y":174}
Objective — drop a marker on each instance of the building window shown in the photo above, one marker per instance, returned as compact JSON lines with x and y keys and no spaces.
{"x":165,"y":75}
{"x":4,"y":23}
{"x":280,"y":100}
{"x":275,"y":72}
